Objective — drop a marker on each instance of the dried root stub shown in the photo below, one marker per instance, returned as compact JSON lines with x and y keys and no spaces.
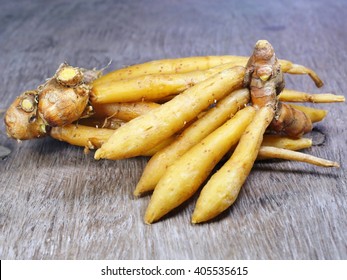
{"x":59,"y":105}
{"x":21,"y":119}
{"x":64,"y":98}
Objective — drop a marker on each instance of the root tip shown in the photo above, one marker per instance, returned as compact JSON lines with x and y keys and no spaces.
{"x":319,"y":84}
{"x":148,"y":220}
{"x":196,"y":219}
{"x":98,"y":154}
{"x":137,"y":193}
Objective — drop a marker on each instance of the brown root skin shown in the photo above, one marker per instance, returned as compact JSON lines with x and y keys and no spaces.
{"x":263,"y":75}
{"x":21,"y":119}
{"x":265,"y":80}
{"x":59,"y":105}
{"x":315,"y":115}
{"x":290,"y":121}
{"x":64,"y":98}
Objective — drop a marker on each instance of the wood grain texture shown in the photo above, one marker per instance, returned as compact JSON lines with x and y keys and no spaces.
{"x":57,"y":203}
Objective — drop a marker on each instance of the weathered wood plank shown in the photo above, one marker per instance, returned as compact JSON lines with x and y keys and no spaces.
{"x":57,"y":203}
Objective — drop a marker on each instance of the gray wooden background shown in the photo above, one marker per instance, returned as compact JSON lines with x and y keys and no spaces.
{"x":57,"y":203}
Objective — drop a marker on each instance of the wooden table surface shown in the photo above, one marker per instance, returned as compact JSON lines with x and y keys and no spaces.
{"x":58,"y":203}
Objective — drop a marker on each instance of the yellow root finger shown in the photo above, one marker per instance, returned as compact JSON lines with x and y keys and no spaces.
{"x":190,"y":64}
{"x":92,"y":138}
{"x":214,"y":118}
{"x":289,"y":95}
{"x":183,"y":178}
{"x":283,"y":142}
{"x":81,"y":135}
{"x":162,"y":145}
{"x":286,"y":142}
{"x":155,"y":86}
{"x":273,"y":152}
{"x":160,"y":162}
{"x":299,"y":69}
{"x":123,"y":111}
{"x":151,"y":87}
{"x":170,"y":66}
{"x":144,"y":132}
{"x":222,"y":189}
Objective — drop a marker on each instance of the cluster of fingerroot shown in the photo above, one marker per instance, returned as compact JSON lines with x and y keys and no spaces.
{"x":187,"y":114}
